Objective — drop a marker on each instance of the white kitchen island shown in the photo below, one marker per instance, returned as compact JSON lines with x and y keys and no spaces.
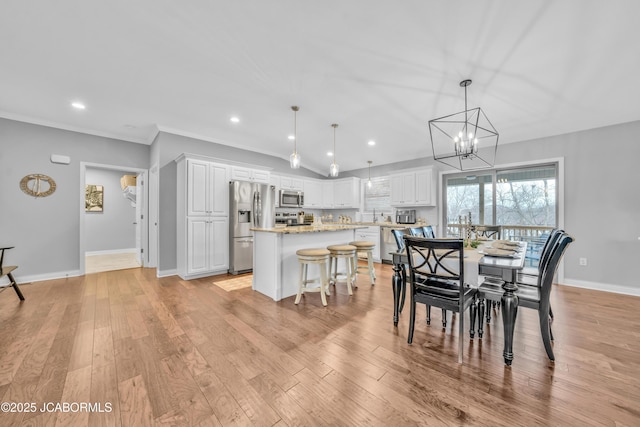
{"x":275,"y":265}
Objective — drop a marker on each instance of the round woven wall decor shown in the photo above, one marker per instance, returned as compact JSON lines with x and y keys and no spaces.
{"x":38,"y":185}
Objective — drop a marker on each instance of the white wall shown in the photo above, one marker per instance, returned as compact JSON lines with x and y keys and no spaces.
{"x":113,"y":228}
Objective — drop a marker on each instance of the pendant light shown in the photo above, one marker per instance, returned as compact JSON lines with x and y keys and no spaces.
{"x":294,"y":158}
{"x":369,"y":183}
{"x":334,"y":169}
{"x":456,"y":139}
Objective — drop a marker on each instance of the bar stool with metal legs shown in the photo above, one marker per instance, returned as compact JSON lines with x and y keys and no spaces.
{"x":317,"y":256}
{"x":363,"y":246}
{"x":346,"y":252}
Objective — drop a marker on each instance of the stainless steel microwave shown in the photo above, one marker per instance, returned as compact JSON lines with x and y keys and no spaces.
{"x":291,"y":199}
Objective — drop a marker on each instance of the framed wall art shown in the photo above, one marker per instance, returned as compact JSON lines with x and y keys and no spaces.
{"x":93,"y":198}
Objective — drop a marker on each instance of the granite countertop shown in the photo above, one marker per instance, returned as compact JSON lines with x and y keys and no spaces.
{"x":310,"y":228}
{"x":379,"y":224}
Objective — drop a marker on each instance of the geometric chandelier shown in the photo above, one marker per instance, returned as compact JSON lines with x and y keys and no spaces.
{"x":466,"y":140}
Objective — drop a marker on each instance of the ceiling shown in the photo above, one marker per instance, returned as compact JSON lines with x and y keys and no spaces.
{"x":379,"y":69}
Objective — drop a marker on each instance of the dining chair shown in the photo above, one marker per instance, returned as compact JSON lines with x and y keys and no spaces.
{"x":531,"y":279}
{"x":7,"y":271}
{"x":416,"y":231}
{"x":428,"y":232}
{"x":438,"y":283}
{"x":534,"y":297}
{"x":485,"y":232}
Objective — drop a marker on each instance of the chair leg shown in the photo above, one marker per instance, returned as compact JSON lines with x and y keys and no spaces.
{"x":412,"y":319}
{"x":545,"y":330}
{"x":460,"y":336}
{"x":350,"y":274}
{"x":489,"y":306}
{"x":472,"y":318}
{"x":481,"y":303}
{"x":403,"y":289}
{"x":428,"y":315}
{"x":300,"y":284}
{"x":444,"y":318}
{"x":324,"y":284}
{"x":372,"y":272}
{"x":15,"y":286}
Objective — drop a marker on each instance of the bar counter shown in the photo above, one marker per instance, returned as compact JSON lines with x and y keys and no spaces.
{"x":275,"y":264}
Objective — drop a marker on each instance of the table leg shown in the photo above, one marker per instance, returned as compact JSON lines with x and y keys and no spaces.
{"x":509,"y":312}
{"x":397,"y":286}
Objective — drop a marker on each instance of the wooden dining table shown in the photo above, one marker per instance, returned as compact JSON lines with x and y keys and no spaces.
{"x":477,"y":264}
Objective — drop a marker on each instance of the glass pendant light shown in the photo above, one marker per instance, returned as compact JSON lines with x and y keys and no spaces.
{"x":369,"y":183}
{"x":334,"y":169}
{"x":294,"y":158}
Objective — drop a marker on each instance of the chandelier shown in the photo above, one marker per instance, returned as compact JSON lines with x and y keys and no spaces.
{"x":294,"y":158}
{"x":466,"y":140}
{"x":334,"y":169}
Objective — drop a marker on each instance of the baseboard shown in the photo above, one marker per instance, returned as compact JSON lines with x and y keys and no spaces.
{"x":165,"y":273}
{"x":605,"y":287}
{"x":46,"y":276}
{"x":112,"y":251}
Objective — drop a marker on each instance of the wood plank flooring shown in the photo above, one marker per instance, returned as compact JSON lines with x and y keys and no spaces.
{"x":149,"y":351}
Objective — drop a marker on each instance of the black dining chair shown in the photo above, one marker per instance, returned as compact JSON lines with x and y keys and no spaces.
{"x":486,"y":232}
{"x":435,"y":284}
{"x":7,"y":271}
{"x":416,"y":231}
{"x":428,"y":232}
{"x":535,"y":297}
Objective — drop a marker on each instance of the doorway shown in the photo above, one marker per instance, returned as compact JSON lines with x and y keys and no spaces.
{"x":113,"y":226}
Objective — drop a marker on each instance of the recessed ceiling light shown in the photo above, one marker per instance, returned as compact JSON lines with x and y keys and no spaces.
{"x":291,"y":137}
{"x":78,"y":105}
{"x":329,"y":153}
{"x":234,"y":119}
{"x":130,"y":126}
{"x":372,"y":142}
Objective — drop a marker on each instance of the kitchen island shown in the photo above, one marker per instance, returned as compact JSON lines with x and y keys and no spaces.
{"x":275,"y":265}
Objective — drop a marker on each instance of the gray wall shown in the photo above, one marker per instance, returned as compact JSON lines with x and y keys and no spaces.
{"x":113,"y":228}
{"x":169,"y":147}
{"x":602,"y":199}
{"x":46,"y":231}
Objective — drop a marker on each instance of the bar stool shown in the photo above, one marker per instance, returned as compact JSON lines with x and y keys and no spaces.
{"x":320,"y":257}
{"x":366,"y":247}
{"x":346,"y":252}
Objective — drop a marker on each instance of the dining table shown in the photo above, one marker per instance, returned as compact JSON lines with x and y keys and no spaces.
{"x":478,"y":263}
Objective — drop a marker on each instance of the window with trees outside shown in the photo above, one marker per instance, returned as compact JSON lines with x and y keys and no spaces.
{"x":522,"y":200}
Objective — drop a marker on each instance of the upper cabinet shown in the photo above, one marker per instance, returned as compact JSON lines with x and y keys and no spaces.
{"x":207,"y":191}
{"x":327,"y":194}
{"x":346,"y":193}
{"x":291,"y":183}
{"x":240,"y":173}
{"x":414,"y":188}
{"x":313,"y":194}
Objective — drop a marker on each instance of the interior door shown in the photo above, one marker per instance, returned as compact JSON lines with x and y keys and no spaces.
{"x":139,"y":217}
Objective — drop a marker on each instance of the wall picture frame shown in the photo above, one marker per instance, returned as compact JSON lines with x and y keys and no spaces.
{"x":94,"y":198}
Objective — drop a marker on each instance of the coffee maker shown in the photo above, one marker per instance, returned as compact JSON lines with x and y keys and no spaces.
{"x":406,"y":217}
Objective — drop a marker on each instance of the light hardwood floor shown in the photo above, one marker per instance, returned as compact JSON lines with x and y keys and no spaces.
{"x":173,"y":352}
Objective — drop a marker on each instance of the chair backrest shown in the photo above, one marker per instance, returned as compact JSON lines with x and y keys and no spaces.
{"x":428,"y":232}
{"x":399,"y":234}
{"x":550,"y":269}
{"x":488,"y":231}
{"x":547,"y":248}
{"x":426,"y":258}
{"x":416,"y":231}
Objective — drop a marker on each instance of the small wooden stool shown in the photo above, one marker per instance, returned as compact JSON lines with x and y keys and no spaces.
{"x":346,"y":252}
{"x":320,"y":257}
{"x":363,"y":246}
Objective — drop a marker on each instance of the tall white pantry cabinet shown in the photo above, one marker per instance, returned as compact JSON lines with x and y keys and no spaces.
{"x":202,"y":217}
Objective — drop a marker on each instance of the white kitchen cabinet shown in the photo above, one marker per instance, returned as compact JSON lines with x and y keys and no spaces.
{"x":371,"y":234}
{"x":414,"y":188}
{"x":207,"y":240}
{"x":313,"y":194}
{"x":291,"y":183}
{"x":202,"y":217}
{"x":327,"y":194}
{"x":425,"y":188}
{"x":241,"y":173}
{"x":346,"y":193}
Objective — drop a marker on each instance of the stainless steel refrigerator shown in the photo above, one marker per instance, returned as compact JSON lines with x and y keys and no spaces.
{"x":251,"y":206}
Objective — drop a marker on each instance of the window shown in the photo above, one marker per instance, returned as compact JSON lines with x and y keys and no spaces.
{"x":377,"y":197}
{"x":522,"y":200}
